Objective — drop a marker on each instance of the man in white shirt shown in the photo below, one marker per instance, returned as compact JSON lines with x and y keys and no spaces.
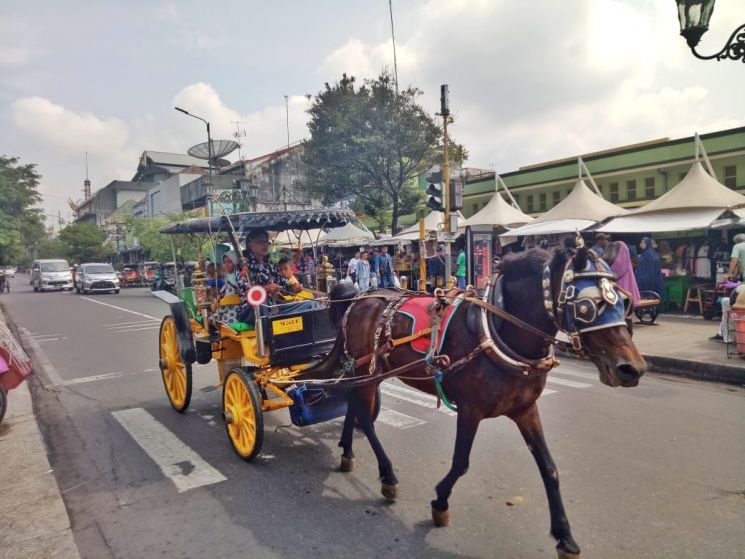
{"x":352,"y":266}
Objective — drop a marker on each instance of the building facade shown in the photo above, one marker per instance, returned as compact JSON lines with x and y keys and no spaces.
{"x":629,"y":176}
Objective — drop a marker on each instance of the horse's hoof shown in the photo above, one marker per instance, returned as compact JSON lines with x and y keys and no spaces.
{"x":566,"y":555}
{"x":440,"y":518}
{"x":390,"y":492}
{"x":347,"y":464}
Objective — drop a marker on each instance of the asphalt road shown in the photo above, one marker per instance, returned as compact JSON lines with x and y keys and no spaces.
{"x":653,"y":471}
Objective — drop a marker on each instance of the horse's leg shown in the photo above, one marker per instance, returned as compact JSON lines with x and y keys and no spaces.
{"x":363,"y":402}
{"x":468,"y":423}
{"x":529,"y":423}
{"x":347,"y":432}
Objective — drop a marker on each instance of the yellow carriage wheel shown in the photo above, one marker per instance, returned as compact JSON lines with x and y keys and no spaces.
{"x":176,"y":373}
{"x":244,"y":422}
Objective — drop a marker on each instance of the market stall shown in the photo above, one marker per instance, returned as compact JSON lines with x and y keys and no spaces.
{"x":580,"y":210}
{"x":481,"y":230}
{"x":690,"y":225}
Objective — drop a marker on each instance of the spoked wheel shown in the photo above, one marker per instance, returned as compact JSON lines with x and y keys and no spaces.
{"x":244,"y":422}
{"x":176,"y":373}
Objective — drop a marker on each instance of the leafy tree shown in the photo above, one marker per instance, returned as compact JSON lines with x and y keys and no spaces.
{"x":157,"y":246}
{"x":370,"y":144}
{"x":86,"y":242}
{"x":22,"y":224}
{"x":53,"y":248}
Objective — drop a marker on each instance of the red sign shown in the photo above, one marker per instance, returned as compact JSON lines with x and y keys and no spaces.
{"x":256,"y":295}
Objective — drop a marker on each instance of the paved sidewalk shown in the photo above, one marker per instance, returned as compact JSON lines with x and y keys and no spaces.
{"x":680,"y":344}
{"x":33,"y":518}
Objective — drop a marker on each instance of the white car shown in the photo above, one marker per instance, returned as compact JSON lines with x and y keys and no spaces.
{"x":10,"y":271}
{"x":96,"y":277}
{"x":51,"y":274}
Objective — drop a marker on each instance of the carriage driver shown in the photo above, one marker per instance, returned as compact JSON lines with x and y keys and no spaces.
{"x":262,"y":272}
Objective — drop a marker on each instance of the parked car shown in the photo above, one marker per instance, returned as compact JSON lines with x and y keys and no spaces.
{"x":96,"y":277}
{"x":51,"y":274}
{"x":130,"y":276}
{"x":10,"y":271}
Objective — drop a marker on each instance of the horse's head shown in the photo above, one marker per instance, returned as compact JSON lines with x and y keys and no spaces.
{"x":592,"y":310}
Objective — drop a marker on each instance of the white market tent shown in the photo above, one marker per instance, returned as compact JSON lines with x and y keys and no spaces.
{"x":699,"y":201}
{"x":431,"y":223}
{"x":581,"y":209}
{"x":496,"y":213}
{"x":292,"y":239}
{"x":350,"y":234}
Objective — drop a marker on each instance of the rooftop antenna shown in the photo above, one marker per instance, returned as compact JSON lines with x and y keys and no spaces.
{"x":238,"y":134}
{"x":86,"y":182}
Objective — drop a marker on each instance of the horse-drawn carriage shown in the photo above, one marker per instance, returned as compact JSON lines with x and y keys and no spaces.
{"x":260,"y":360}
{"x":485,"y":354}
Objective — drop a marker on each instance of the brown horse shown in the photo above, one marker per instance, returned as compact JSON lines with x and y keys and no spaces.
{"x":489,"y":384}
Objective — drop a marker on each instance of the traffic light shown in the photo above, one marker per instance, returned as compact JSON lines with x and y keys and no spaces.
{"x":456,"y":195}
{"x":435,"y":200}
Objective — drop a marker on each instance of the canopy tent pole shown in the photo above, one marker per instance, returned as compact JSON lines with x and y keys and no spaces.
{"x":507,"y":190}
{"x":582,"y":167}
{"x":701,"y":149}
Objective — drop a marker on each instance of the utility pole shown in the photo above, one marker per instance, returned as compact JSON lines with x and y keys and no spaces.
{"x":445,"y":113}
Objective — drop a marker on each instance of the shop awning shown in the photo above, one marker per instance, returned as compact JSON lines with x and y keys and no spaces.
{"x":545,"y":228}
{"x":663,"y":222}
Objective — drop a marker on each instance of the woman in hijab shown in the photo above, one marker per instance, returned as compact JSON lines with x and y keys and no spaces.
{"x":230,"y":300}
{"x":649,"y":272}
{"x":618,"y":258}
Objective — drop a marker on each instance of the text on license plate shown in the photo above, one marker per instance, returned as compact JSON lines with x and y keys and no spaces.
{"x":287,"y":325}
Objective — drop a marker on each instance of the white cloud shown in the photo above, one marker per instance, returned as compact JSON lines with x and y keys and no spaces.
{"x":64,"y":129}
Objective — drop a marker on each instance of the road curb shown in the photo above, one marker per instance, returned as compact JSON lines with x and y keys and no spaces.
{"x":695,"y":370}
{"x":32,"y":513}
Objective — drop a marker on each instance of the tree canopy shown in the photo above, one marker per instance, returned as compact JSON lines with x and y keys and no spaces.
{"x":86,"y":242}
{"x":368,"y":145}
{"x":156,"y":245}
{"x":22,"y":224}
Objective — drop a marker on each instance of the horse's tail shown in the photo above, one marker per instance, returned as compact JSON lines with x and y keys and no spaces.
{"x":341,"y":297}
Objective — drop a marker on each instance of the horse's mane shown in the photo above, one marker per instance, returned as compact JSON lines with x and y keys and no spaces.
{"x":523,"y":265}
{"x":530,"y":264}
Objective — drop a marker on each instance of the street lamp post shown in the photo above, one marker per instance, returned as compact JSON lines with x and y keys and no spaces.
{"x":208,"y":197}
{"x":694,"y":16}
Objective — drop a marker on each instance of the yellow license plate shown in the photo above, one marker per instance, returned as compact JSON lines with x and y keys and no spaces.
{"x":287,"y":325}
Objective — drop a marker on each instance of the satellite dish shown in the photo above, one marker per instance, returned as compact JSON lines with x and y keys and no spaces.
{"x":220,"y":148}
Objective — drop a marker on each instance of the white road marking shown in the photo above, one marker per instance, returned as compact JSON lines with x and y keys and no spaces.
{"x":155,"y":327}
{"x":133,"y":323}
{"x":185,"y":468}
{"x":46,"y":365}
{"x":413,"y":397}
{"x":567,"y":382}
{"x":547,"y":391}
{"x":397,"y":420}
{"x":42,"y":340}
{"x":121,"y":309}
{"x":93,"y":378}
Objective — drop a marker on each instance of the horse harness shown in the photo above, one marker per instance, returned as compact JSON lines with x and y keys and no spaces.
{"x":582,"y":305}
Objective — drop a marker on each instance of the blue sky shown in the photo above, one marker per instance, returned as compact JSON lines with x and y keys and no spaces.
{"x":530,"y":81}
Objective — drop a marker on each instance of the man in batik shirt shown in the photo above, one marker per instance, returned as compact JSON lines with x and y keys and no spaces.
{"x":261,"y":271}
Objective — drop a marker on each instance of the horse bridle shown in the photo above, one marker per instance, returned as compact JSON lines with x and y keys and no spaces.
{"x":581,"y":306}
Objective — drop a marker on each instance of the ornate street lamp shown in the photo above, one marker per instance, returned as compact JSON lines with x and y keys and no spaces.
{"x":694,"y":16}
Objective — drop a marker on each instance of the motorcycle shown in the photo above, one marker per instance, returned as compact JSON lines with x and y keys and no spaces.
{"x":162,"y":281}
